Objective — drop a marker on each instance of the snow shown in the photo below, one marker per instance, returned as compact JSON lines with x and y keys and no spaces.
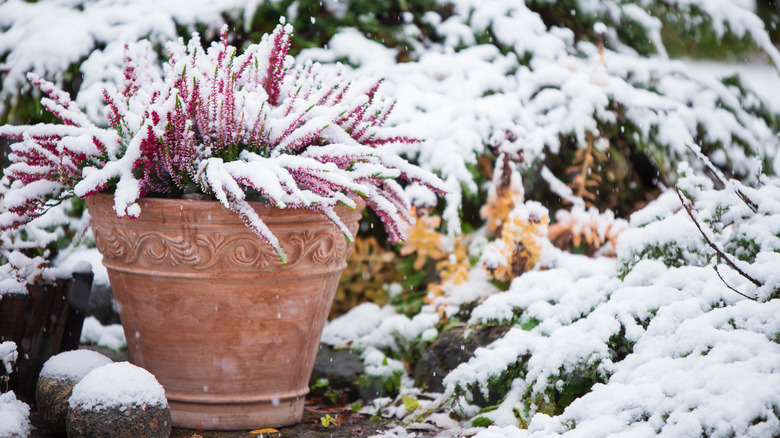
{"x":700,"y":359}
{"x":81,"y":258}
{"x":111,"y":336}
{"x":14,"y":417}
{"x":694,"y":368}
{"x":22,"y":271}
{"x":360,"y":321}
{"x":762,"y":78}
{"x":8,"y":355}
{"x":73,"y":365}
{"x":369,"y":325}
{"x":117,"y":385}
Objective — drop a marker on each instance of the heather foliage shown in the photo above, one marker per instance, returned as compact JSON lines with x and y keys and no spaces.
{"x":238,"y":127}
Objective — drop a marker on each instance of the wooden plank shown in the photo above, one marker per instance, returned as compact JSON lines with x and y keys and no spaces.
{"x":78,"y":299}
{"x":43,"y":320}
{"x":13,"y":308}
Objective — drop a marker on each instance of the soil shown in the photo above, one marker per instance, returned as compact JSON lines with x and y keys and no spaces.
{"x":354,"y":425}
{"x":346,"y":425}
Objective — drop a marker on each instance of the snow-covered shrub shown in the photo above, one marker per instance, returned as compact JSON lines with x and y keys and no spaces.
{"x":664,"y":350}
{"x":734,"y":229}
{"x":576,"y":88}
{"x":232,"y":126}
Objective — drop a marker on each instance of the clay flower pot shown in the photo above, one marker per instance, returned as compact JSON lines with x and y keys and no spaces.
{"x":228,"y":329}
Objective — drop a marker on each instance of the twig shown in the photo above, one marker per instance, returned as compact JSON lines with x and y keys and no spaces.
{"x":715,"y":267}
{"x":712,"y":244}
{"x":721,"y":177}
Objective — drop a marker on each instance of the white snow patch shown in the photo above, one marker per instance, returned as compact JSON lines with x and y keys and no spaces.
{"x":78,"y":257}
{"x":116,"y":385}
{"x":14,"y":417}
{"x":358,"y":322}
{"x":763,"y":79}
{"x":8,"y":355}
{"x":73,"y":365}
{"x":110,"y":336}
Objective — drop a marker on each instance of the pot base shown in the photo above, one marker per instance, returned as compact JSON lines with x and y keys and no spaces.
{"x":236,"y":416}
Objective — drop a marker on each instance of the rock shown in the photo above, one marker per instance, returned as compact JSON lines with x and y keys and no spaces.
{"x":449,"y":350}
{"x":116,"y":356}
{"x":101,"y":304}
{"x":341,"y":367}
{"x":55,"y":383}
{"x":122,"y":422}
{"x":118,"y":400}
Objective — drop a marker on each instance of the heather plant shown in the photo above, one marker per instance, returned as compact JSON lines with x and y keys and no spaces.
{"x":236,"y":127}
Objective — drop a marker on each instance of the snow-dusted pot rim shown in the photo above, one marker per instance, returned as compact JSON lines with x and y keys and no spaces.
{"x":229,"y":329}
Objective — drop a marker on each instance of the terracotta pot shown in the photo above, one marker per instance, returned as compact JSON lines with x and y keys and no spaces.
{"x":229,"y":330}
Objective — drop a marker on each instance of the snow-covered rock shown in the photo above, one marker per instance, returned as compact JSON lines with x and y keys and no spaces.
{"x":119,"y":399}
{"x":58,"y":377}
{"x":73,"y":365}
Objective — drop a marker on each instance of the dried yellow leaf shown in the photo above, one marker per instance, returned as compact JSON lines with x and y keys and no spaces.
{"x":267,"y":430}
{"x":423,"y":239}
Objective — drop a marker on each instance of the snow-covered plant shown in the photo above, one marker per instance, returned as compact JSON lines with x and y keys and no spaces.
{"x":521,"y":244}
{"x":233,"y":126}
{"x":560,"y":83}
{"x":589,"y":227}
{"x":734,"y":230}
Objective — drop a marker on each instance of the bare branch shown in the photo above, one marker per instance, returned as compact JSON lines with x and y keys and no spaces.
{"x":715,"y":267}
{"x":721,"y":177}
{"x":712,"y":244}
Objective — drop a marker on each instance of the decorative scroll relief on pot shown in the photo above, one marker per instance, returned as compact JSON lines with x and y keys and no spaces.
{"x":214,"y":250}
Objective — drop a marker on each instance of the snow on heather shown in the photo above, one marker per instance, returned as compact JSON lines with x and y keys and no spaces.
{"x":116,"y":385}
{"x":14,"y":417}
{"x":73,"y":365}
{"x":166,"y":133}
